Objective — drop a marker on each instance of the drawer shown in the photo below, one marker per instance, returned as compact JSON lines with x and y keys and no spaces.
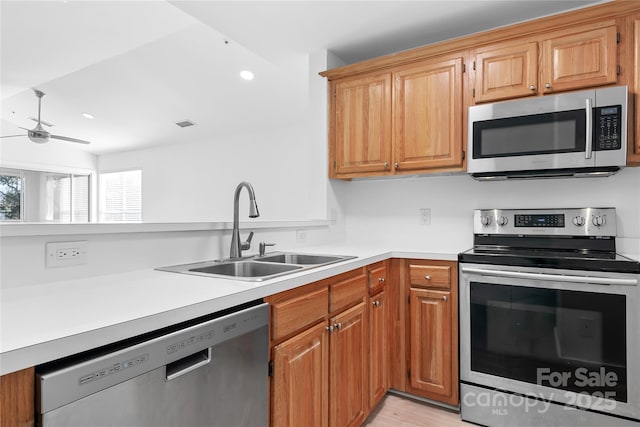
{"x":347,"y":292}
{"x":298,"y":312}
{"x":432,"y":276}
{"x":377,"y":277}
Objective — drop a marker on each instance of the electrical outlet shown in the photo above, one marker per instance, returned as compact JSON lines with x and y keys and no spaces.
{"x":425,"y":216}
{"x":66,"y":254}
{"x":301,"y":236}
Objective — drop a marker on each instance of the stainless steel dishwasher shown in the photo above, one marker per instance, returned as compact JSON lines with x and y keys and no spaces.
{"x":211,"y":373}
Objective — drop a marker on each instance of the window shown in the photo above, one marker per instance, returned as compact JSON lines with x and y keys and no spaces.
{"x":10,"y":196}
{"x":121,"y":196}
{"x":41,"y":196}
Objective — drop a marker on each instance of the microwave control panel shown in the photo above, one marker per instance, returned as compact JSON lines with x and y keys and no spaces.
{"x":606,"y":128}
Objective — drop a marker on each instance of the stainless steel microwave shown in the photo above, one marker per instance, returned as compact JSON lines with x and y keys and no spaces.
{"x":571,"y":134}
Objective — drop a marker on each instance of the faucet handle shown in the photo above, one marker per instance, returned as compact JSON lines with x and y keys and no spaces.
{"x":263,"y":247}
{"x":247,"y":244}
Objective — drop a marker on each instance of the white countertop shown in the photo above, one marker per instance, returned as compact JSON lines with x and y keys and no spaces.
{"x":45,"y":322}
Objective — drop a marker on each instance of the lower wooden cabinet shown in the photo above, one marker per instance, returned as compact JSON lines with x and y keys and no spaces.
{"x":347,"y":381}
{"x":432,"y":329}
{"x":17,"y":399}
{"x":319,"y":371}
{"x":300,"y":380}
{"x":341,"y":346}
{"x":430,"y":342}
{"x":378,"y":348}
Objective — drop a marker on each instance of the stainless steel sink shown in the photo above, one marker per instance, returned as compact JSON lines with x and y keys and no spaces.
{"x":302,"y":259}
{"x":257,"y":268}
{"x":246,"y":269}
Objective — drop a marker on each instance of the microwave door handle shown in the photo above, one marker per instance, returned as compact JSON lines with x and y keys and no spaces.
{"x":589,"y":130}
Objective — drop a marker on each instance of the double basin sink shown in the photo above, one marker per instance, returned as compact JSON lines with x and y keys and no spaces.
{"x":257,"y":268}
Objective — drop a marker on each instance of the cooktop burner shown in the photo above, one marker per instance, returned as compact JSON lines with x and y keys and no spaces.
{"x":573,"y":239}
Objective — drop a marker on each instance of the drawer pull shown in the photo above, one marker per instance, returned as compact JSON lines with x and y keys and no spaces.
{"x":444,"y":298}
{"x":376,"y":303}
{"x":381,"y":279}
{"x":338,"y":326}
{"x":428,"y":277}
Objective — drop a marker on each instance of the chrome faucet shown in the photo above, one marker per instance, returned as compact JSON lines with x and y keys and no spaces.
{"x":236,"y":245}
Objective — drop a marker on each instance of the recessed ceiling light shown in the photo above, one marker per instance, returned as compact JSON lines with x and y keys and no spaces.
{"x":87,"y":115}
{"x":246,"y":74}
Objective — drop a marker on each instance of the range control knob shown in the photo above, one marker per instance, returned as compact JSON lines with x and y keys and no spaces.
{"x":485,"y":220}
{"x":502,"y":220}
{"x":579,"y":221}
{"x":599,"y":220}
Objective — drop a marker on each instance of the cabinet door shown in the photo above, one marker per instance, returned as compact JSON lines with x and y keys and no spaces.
{"x":299,"y":384}
{"x":378,"y":348}
{"x":506,"y":71}
{"x":347,"y":387}
{"x":362,"y":134}
{"x":634,"y":143}
{"x":430,"y":341}
{"x":427,"y":115}
{"x":579,"y":60}
{"x":17,"y":399}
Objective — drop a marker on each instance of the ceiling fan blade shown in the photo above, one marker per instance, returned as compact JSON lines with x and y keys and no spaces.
{"x":11,"y":136}
{"x":66,"y":138}
{"x":20,"y":127}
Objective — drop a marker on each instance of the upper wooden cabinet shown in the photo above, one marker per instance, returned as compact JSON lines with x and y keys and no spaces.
{"x":362,"y":125}
{"x":506,"y":70}
{"x":427,"y":115}
{"x":413,"y":125}
{"x":576,"y":58}
{"x":633,"y":140}
{"x":581,"y":58}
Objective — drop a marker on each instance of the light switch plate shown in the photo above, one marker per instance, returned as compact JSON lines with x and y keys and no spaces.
{"x":66,"y":254}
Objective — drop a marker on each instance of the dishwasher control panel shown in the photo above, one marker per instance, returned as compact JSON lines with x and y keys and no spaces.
{"x":116,"y":367}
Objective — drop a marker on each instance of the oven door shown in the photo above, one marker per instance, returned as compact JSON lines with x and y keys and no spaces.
{"x":564,"y":336}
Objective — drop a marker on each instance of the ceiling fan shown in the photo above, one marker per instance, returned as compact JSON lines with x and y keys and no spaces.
{"x":38,"y":134}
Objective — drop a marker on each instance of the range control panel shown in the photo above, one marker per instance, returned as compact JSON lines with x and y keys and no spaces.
{"x":559,"y":222}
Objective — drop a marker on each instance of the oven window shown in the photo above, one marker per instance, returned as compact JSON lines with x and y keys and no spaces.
{"x":569,"y":340}
{"x":561,"y":132}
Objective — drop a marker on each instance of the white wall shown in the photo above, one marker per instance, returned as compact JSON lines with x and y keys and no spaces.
{"x":390,"y":206}
{"x":195,"y":180}
{"x":54,"y":156}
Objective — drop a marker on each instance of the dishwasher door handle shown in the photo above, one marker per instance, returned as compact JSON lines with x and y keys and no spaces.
{"x":187,"y":364}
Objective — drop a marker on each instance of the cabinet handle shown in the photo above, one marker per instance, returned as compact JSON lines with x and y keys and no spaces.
{"x":395,"y":165}
{"x":381,"y":279}
{"x":532,"y":87}
{"x":329,"y":329}
{"x":376,"y":303}
{"x":386,"y":165}
{"x":338,"y":326}
{"x":548,"y":85}
{"x":428,"y":277}
{"x":444,"y":298}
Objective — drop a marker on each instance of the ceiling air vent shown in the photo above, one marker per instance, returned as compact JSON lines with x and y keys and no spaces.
{"x":185,"y":123}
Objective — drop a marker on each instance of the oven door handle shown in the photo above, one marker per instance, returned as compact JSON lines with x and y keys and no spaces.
{"x":550,"y":277}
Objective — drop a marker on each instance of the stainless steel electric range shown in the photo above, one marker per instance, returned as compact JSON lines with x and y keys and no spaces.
{"x":549,"y":321}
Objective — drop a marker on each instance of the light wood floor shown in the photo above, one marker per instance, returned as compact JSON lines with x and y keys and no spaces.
{"x":396,"y":411}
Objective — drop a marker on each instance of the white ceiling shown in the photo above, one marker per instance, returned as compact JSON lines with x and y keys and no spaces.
{"x":141,"y":66}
